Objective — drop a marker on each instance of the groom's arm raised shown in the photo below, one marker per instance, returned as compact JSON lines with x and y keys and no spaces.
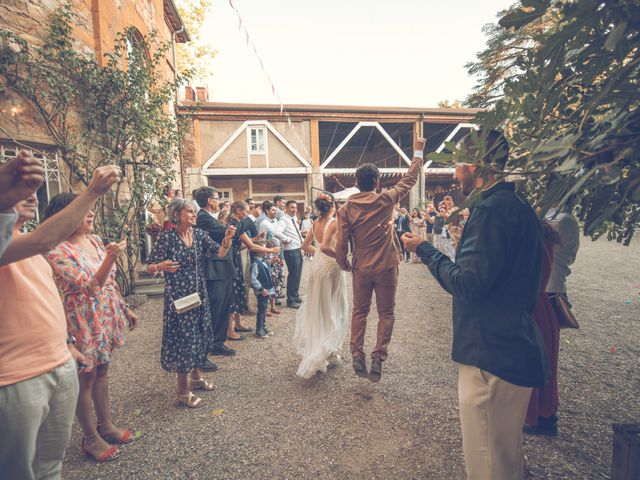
{"x":342,"y":240}
{"x":410,"y":178}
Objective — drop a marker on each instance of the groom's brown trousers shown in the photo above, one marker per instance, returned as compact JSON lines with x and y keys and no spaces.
{"x":384,"y":283}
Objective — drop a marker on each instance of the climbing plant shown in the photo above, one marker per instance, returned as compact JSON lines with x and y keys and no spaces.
{"x":563,"y":85}
{"x":114,"y":112}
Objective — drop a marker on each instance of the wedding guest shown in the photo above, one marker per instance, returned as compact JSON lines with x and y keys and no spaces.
{"x":220,"y":271}
{"x":223,"y":216}
{"x":262,"y":283}
{"x":186,"y":336}
{"x":543,"y":408}
{"x":403,"y":225}
{"x":441,"y":237}
{"x":495,"y":282}
{"x":279,"y":201}
{"x":429,"y":217}
{"x":544,"y":400}
{"x":38,"y":378}
{"x":193,"y":199}
{"x":277,"y":276}
{"x":274,"y":235}
{"x":19,"y":178}
{"x":305,"y":228}
{"x":288,"y":224}
{"x":239,"y":304}
{"x":417,"y":227}
{"x":85,"y":273}
{"x":247,"y":255}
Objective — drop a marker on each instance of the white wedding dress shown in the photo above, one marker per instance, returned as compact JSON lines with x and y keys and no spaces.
{"x":323,"y":319}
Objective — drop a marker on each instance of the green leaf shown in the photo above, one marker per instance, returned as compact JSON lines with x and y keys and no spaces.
{"x":615,"y":35}
{"x":523,"y":15}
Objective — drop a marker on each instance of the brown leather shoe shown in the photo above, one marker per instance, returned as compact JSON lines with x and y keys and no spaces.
{"x":360,"y":367}
{"x":376,"y":370}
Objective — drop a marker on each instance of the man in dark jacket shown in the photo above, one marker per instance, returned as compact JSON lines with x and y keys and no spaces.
{"x":495,"y":282}
{"x":220,"y":271}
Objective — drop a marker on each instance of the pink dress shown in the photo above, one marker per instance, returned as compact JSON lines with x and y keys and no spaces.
{"x":95,"y":315}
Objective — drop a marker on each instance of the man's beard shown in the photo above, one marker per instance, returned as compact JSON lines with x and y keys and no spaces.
{"x":467,"y":185}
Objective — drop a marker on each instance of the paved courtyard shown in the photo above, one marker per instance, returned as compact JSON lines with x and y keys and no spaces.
{"x":337,"y":426}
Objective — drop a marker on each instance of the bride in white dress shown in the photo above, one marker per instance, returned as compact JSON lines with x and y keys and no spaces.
{"x":323,"y":319}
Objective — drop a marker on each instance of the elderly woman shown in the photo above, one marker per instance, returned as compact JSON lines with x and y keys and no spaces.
{"x":186,"y":336}
{"x":84,"y":271}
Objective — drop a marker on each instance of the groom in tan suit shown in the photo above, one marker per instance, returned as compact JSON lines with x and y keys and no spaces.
{"x":366,"y":220}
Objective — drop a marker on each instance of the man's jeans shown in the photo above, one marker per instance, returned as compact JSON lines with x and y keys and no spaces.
{"x":35,"y":423}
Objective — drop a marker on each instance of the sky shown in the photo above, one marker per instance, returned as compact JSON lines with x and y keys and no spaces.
{"x":398,"y":53}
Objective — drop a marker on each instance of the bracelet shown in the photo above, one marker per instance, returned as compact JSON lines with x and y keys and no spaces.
{"x":418,"y":153}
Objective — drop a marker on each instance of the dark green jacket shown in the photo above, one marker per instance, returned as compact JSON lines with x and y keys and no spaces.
{"x":495,"y":282}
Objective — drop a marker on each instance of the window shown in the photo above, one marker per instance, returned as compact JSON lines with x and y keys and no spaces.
{"x":258,"y":140}
{"x":226,"y":194}
{"x":51,"y":186}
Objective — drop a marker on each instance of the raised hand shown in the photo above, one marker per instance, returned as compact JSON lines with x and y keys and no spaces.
{"x":115,"y":249}
{"x":418,"y":144}
{"x":411,"y":241}
{"x":230,"y":232}
{"x":103,"y":179}
{"x":19,"y":178}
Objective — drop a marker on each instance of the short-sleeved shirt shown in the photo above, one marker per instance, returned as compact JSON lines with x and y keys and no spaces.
{"x":33,"y":330}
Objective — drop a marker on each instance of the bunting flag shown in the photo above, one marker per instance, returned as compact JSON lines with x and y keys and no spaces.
{"x":283,"y":110}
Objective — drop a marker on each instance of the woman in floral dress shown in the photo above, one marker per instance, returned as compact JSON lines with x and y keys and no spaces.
{"x":84,"y":272}
{"x":186,"y":336}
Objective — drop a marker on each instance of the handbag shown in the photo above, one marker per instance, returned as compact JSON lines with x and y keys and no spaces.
{"x":188,"y":302}
{"x":562,"y":307}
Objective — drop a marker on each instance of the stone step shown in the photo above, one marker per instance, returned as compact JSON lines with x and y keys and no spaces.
{"x":149,"y":281}
{"x":154,"y":290}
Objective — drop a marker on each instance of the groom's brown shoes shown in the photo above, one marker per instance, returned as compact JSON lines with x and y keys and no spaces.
{"x":360,"y":367}
{"x":376,"y":370}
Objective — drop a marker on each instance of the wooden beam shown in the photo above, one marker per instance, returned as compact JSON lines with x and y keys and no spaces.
{"x":315,"y":143}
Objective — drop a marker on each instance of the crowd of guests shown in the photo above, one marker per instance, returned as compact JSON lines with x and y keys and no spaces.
{"x":59,"y":292}
{"x":441,"y":226}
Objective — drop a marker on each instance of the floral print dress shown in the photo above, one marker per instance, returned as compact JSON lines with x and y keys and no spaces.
{"x":186,"y":336}
{"x":240,"y":302}
{"x":95,"y":315}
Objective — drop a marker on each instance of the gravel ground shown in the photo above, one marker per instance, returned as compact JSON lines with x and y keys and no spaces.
{"x":335,"y":425}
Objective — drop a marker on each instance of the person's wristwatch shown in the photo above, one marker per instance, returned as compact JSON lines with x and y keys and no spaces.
{"x":71,"y":340}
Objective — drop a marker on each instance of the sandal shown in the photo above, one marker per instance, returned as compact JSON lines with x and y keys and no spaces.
{"x":189,"y":400}
{"x":242,"y":329}
{"x":108,"y":455}
{"x":201,"y":384}
{"x":127,"y":437}
{"x":276,"y":311}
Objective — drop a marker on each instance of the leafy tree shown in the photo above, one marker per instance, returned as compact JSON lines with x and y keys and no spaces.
{"x":196,"y":56}
{"x":567,"y":97}
{"x":98,"y":115}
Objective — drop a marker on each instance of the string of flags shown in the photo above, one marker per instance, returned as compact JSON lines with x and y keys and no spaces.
{"x":249,"y":42}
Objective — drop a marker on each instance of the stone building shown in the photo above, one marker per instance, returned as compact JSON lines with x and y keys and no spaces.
{"x":256,"y":151}
{"x":98,"y":23}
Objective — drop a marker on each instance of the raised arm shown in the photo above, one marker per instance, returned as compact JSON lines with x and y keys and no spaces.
{"x":244,"y":238}
{"x":410,"y":178}
{"x":57,"y":228}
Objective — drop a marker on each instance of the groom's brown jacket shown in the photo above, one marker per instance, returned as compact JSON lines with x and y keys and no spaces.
{"x":366,"y":218}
